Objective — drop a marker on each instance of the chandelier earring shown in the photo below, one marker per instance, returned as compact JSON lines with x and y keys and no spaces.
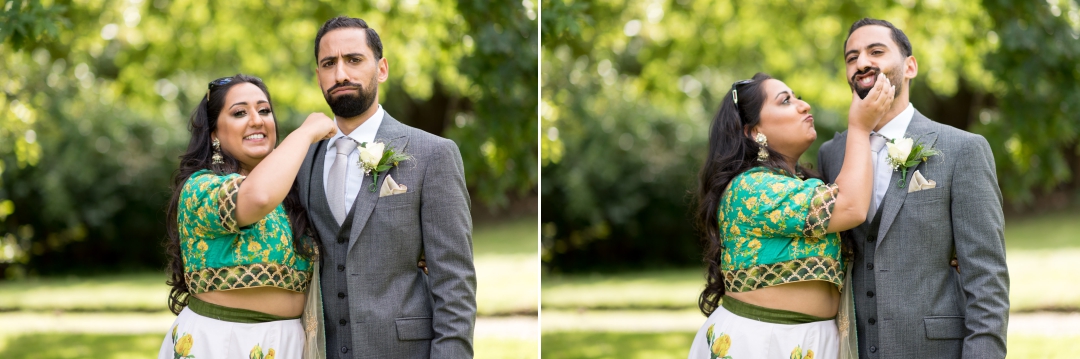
{"x":762,"y":154}
{"x":217,"y":160}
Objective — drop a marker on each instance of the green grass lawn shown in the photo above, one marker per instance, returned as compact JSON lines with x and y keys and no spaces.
{"x":653,"y":313}
{"x":124,"y":346}
{"x":61,"y":317}
{"x":583,"y":345}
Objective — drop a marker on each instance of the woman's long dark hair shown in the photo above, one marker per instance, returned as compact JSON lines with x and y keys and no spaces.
{"x":732,"y":151}
{"x":202,"y":124}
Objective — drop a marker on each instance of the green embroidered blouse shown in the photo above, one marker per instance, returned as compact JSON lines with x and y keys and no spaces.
{"x":220,"y":256}
{"x":773,"y":226}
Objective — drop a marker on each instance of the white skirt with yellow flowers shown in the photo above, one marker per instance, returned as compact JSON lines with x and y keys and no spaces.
{"x":763,"y":333}
{"x":241,"y":335}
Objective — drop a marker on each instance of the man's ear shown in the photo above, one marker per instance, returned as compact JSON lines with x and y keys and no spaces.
{"x":911,"y":67}
{"x":384,"y":70}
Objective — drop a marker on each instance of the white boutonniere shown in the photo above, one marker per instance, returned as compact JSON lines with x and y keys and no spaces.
{"x":376,"y":158}
{"x":905,"y":153}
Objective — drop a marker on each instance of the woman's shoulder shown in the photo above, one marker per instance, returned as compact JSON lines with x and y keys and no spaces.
{"x":767,"y":179}
{"x":205,"y":180}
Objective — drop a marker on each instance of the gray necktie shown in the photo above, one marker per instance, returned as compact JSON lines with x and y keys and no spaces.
{"x":335,"y":189}
{"x":877,"y":142}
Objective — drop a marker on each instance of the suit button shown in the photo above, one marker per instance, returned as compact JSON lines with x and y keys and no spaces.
{"x":872,"y":321}
{"x":341,"y":268}
{"x":870,"y":266}
{"x":873,"y":349}
{"x":344,"y":350}
{"x":870,"y":294}
{"x":342,"y":322}
{"x":871,"y":238}
{"x":341,"y":295}
{"x":341,"y":240}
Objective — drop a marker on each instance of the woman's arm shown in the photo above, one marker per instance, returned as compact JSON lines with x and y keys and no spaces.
{"x":856,"y":179}
{"x":268,"y":183}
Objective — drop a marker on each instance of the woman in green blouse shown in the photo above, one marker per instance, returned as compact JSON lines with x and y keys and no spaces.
{"x":240,"y":254}
{"x":775,"y":270}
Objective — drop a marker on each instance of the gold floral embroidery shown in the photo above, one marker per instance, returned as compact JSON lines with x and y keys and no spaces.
{"x":211,"y":242}
{"x":248,"y":276}
{"x":812,"y":268}
{"x":773,"y":225}
{"x":821,"y":206}
{"x":227,"y":203}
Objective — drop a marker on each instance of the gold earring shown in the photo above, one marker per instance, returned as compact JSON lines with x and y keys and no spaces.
{"x":762,"y":153}
{"x":217,"y":153}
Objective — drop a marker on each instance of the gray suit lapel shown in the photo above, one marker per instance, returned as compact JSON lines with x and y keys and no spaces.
{"x":919,"y":129}
{"x":392,"y":133}
{"x":303,"y":177}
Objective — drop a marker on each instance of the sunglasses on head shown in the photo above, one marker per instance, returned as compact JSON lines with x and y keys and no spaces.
{"x":213,"y":84}
{"x":735,"y":93}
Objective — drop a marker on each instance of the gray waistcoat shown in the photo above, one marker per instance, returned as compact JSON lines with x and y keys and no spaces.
{"x":335,"y":241}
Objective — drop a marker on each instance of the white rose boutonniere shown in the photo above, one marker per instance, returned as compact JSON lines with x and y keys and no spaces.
{"x":905,"y":153}
{"x":376,"y":158}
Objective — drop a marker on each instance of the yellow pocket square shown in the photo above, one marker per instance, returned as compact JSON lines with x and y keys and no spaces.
{"x":919,"y":183}
{"x":391,"y":187}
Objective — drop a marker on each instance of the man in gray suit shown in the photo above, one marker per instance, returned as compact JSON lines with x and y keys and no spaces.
{"x":909,"y":301}
{"x":397,"y":276}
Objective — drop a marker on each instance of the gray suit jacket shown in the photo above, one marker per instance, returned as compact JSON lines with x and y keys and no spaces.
{"x":377,"y":303}
{"x":909,"y":303}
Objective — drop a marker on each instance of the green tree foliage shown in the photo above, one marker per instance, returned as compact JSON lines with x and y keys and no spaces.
{"x":630,"y":87}
{"x":96,"y":96}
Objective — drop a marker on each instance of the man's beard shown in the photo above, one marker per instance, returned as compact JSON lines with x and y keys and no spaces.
{"x":349,"y":105}
{"x":894,"y":77}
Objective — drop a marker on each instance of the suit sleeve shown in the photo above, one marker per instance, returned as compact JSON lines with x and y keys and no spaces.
{"x":447,"y":235}
{"x":978,"y":233}
{"x":822,"y":166}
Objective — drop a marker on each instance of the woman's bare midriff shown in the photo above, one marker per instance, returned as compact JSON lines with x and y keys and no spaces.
{"x":269,"y":300}
{"x":816,"y":298}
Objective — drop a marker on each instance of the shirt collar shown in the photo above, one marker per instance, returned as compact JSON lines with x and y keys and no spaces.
{"x":899,"y":124}
{"x":365,"y":133}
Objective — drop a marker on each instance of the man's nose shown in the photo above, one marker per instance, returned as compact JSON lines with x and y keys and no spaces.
{"x":340,"y":76}
{"x":863,"y":63}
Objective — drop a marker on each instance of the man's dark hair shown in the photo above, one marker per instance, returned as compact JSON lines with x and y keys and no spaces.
{"x":343,"y":22}
{"x":898,"y":36}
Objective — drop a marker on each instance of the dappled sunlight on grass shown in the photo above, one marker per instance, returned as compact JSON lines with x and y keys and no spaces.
{"x":65,"y":345}
{"x":144,"y":291}
{"x":582,"y":345}
{"x":669,"y":289}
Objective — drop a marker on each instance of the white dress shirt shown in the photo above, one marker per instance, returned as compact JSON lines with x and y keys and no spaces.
{"x":882,"y":170}
{"x":354,"y":177}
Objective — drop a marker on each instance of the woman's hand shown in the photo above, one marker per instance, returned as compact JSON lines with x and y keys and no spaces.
{"x":866,"y":113}
{"x":319,"y":126}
